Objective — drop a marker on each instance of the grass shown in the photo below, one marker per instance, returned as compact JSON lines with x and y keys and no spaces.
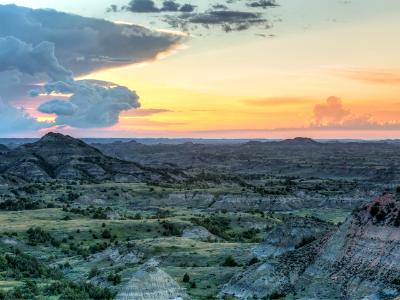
{"x":201,"y":260}
{"x":335,"y":216}
{"x":177,"y":255}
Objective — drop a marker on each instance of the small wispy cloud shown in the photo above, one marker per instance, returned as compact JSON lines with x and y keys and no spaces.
{"x":277,"y":101}
{"x":374,"y":76}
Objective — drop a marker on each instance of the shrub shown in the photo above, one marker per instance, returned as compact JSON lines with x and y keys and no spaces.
{"x":253,"y":261}
{"x":186,"y":277}
{"x":106,"y":234}
{"x":115,"y":278}
{"x":276,"y":295}
{"x":374,"y":209}
{"x":230,"y":262}
{"x":93,"y":272}
{"x":37,"y":235}
{"x":171,"y":229}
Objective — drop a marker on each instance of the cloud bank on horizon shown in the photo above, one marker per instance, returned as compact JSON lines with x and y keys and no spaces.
{"x":48,"y":46}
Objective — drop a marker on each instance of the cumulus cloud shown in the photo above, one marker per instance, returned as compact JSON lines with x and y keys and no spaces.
{"x":49,"y":46}
{"x":13,"y":119}
{"x":18,"y":55}
{"x":332,"y":111}
{"x":91,"y":105}
{"x":332,"y":115}
{"x":58,"y":107}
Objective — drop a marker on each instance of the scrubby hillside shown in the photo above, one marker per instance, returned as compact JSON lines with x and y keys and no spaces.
{"x":360,"y":261}
{"x":56,"y":156}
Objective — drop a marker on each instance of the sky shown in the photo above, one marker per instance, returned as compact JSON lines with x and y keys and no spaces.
{"x":225,"y":69}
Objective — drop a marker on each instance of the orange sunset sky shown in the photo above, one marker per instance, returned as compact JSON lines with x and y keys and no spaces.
{"x":323,"y":69}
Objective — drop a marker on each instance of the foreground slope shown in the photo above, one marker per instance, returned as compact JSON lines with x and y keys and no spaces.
{"x":360,"y":261}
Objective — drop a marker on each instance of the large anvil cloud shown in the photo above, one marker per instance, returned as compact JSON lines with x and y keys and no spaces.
{"x":84,"y":44}
{"x":39,"y":46}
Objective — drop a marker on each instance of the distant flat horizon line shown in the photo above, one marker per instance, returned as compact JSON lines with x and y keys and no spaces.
{"x":189,"y":139}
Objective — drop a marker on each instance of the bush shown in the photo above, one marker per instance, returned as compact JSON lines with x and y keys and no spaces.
{"x":374,"y":209}
{"x":229,"y":262}
{"x":114,"y":278}
{"x":37,"y":235}
{"x":171,"y":229}
{"x":253,"y":261}
{"x":67,"y":290}
{"x":276,"y":295}
{"x":186,"y":278}
{"x":106,"y":234}
{"x":217,"y":225}
{"x":396,"y":281}
{"x":19,"y":265}
{"x":93,"y":272}
{"x":19,"y":204}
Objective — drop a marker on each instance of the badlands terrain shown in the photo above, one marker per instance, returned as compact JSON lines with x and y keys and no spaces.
{"x":293,"y":219}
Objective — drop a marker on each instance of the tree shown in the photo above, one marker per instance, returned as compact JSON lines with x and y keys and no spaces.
{"x":186,"y":277}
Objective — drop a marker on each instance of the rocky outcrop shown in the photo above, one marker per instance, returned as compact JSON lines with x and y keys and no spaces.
{"x":243,"y":202}
{"x":151,"y":283}
{"x":361,"y":260}
{"x":199,"y":233}
{"x":286,"y":202}
{"x":277,"y":276}
{"x":292,"y":234}
{"x":195,"y":199}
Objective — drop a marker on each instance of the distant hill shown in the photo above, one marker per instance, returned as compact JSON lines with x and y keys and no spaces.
{"x":299,"y":141}
{"x":57,"y":156}
{"x":304,"y":157}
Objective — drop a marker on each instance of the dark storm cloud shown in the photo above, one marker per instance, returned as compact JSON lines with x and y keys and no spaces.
{"x":142,"y":6}
{"x":187,"y":8}
{"x":221,"y":14}
{"x":226,"y":16}
{"x":83,"y":44}
{"x":149,"y":6}
{"x":262,"y":3}
{"x":228,"y":20}
{"x":170,"y":6}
